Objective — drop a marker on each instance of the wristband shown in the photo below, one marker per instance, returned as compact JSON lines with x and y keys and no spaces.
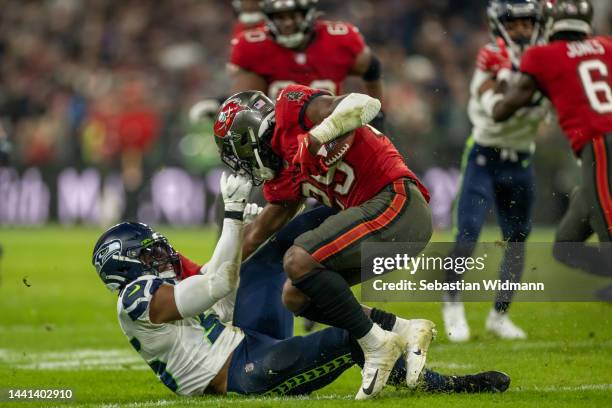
{"x":234,"y":215}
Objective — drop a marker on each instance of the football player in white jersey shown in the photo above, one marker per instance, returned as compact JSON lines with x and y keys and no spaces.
{"x":222,"y":328}
{"x":496,"y":165}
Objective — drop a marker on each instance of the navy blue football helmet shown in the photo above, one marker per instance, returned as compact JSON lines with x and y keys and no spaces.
{"x":500,"y":12}
{"x":130,"y":250}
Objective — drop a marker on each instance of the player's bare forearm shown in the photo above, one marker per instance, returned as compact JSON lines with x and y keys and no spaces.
{"x":245,"y":81}
{"x":163,"y":306}
{"x":375,"y":89}
{"x":272,"y":218}
{"x":516,"y":97}
{"x":368,"y":67}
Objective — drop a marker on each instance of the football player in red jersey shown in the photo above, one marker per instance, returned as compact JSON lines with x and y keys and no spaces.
{"x":297,"y":48}
{"x":574,"y":70}
{"x":379,"y":198}
{"x":248,"y":14}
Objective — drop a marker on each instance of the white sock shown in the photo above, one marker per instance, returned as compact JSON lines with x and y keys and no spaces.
{"x":373,"y":339}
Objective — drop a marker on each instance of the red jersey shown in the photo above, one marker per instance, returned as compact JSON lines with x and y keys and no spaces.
{"x":371,"y":163}
{"x":324,"y":64}
{"x":239,"y":27}
{"x":189,"y":268}
{"x":576,"y":77}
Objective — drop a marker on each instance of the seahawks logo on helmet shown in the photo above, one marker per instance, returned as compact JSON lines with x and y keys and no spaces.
{"x":105,"y":252}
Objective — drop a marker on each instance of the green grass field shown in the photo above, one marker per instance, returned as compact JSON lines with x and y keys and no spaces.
{"x":58,"y":329}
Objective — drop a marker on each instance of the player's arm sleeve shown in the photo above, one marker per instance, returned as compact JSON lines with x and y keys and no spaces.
{"x":353,"y":111}
{"x":292,"y":103}
{"x":219,"y":277}
{"x":239,"y":55}
{"x":242,"y":67}
{"x":354,"y":40}
{"x":188,"y":267}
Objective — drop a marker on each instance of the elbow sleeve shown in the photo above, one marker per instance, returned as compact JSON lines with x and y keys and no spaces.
{"x":374,"y":72}
{"x":354,"y":111}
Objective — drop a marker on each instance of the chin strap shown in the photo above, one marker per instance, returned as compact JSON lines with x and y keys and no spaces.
{"x":264,"y":172}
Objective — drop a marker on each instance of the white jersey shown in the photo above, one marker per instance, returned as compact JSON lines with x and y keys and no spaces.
{"x":518,"y":132}
{"x":186,"y":354}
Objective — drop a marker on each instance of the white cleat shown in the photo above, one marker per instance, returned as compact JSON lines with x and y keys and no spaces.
{"x":455,"y":323}
{"x":378,"y":365}
{"x":417,"y":334}
{"x":501,"y":325}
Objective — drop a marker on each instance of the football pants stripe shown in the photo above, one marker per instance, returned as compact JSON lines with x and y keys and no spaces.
{"x":364,"y":229}
{"x":602,"y":180}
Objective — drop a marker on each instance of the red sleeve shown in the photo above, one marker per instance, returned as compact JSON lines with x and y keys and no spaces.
{"x":246,"y":47}
{"x":291,"y":105}
{"x":282,"y":188}
{"x":354,"y":40}
{"x":189,"y":268}
{"x":532,"y":63}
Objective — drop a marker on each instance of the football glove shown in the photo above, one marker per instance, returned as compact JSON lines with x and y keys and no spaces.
{"x":309,"y":163}
{"x":251,"y":211}
{"x":235,"y":190}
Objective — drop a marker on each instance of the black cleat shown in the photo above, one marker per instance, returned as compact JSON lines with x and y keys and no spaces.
{"x":489,"y":381}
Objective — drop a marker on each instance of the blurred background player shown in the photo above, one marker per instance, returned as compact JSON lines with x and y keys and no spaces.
{"x":579,"y":85}
{"x":496,"y":165}
{"x":296,"y":47}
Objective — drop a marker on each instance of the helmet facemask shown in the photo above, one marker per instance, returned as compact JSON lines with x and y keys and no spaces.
{"x":129,"y":250}
{"x":502,"y":12}
{"x":304,"y":28}
{"x":158,"y":258}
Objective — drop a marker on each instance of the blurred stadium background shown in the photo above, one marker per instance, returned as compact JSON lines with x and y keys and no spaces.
{"x":94,"y":97}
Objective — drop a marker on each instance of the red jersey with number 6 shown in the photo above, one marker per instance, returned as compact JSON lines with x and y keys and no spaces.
{"x":371,"y":163}
{"x":577,"y":78}
{"x":324,"y":64}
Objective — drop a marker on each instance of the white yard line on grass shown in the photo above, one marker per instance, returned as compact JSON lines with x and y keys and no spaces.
{"x":529,"y":345}
{"x":80,"y":359}
{"x":575,"y":388}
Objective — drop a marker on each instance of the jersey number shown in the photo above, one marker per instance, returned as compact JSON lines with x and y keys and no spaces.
{"x":595,"y":90}
{"x":211,"y":326}
{"x":342,"y":188}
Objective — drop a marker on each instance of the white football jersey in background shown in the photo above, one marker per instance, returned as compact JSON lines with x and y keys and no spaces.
{"x":518,"y":132}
